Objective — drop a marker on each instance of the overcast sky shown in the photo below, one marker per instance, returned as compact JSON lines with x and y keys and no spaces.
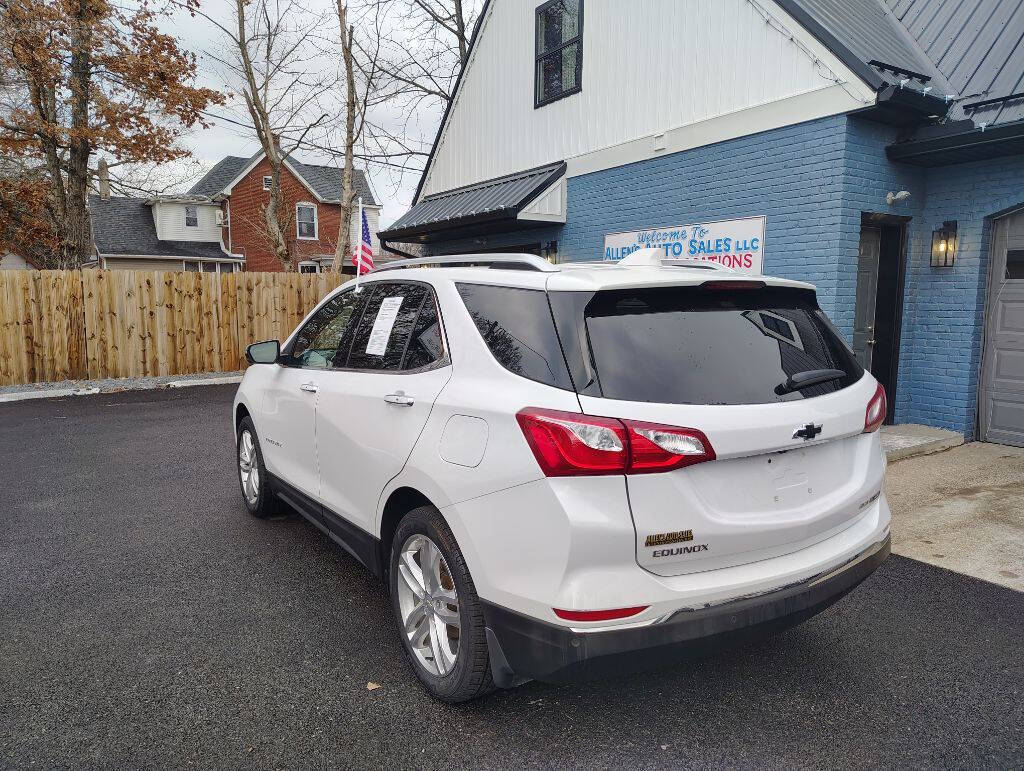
{"x":210,"y":145}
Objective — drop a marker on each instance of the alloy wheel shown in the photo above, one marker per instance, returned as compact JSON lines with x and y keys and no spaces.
{"x":429,"y":605}
{"x":248,"y":468}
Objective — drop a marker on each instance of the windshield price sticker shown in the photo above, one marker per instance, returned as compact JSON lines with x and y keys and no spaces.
{"x":382,"y":325}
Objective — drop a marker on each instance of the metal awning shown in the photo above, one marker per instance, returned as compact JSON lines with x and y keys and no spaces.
{"x":488,"y":206}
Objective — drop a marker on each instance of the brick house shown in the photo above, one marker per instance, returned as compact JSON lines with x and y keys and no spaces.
{"x":313,"y":194}
{"x":218,"y":225}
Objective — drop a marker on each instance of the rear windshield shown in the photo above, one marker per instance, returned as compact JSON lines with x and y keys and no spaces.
{"x":692,"y":345}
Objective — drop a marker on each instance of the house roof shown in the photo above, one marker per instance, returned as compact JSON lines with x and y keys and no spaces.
{"x":498,"y":199}
{"x":124,"y":226}
{"x":325,"y":181}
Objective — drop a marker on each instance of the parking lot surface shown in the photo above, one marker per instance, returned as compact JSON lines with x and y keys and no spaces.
{"x":147,"y":620}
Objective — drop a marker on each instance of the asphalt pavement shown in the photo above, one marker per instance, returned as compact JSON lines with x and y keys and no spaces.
{"x":147,"y":620}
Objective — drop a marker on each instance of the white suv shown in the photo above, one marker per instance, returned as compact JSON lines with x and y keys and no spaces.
{"x":567,"y":470}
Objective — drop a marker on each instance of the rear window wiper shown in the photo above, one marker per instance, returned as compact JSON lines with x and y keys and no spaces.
{"x":811,"y":377}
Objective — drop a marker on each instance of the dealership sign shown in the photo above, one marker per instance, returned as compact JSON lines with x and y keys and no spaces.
{"x":737,"y":244}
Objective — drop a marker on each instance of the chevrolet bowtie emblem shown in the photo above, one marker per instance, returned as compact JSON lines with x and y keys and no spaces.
{"x":807,"y":433}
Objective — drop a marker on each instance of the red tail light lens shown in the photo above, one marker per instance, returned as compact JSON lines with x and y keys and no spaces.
{"x":654,"y":448}
{"x":572,"y":444}
{"x":599,"y":615}
{"x":875,"y":414}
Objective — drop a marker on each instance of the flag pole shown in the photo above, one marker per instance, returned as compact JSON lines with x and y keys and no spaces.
{"x":359,"y":244}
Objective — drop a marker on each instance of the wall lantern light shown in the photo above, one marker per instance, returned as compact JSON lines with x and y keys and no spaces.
{"x":944,"y":245}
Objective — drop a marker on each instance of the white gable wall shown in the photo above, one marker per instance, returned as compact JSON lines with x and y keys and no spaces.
{"x":649,"y":67}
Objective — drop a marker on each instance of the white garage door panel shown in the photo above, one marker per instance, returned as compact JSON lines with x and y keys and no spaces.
{"x":1002,"y":391}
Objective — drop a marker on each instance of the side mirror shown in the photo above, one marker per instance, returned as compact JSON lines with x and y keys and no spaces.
{"x":267,"y":352}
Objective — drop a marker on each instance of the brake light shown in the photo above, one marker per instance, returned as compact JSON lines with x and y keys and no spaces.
{"x":733,"y":285}
{"x":569,"y":444}
{"x":599,"y":615}
{"x":572,"y":444}
{"x":875,"y":414}
{"x":654,"y":448}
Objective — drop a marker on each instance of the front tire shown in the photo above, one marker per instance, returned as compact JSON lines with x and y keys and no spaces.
{"x":440,"y":617}
{"x":252,"y":472}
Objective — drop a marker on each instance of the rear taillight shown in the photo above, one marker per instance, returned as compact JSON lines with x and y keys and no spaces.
{"x":874,"y":416}
{"x":654,"y":448}
{"x":571,"y":444}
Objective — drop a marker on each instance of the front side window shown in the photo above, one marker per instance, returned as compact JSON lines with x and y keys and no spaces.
{"x":324,"y":340}
{"x":559,"y":60}
{"x":191,"y":216}
{"x":305,"y":218}
{"x":516,"y":324}
{"x":399,"y":329}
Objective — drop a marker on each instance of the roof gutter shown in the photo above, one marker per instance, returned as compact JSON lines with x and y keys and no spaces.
{"x":974,"y":144}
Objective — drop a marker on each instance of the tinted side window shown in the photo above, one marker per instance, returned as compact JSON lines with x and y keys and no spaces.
{"x":516,"y":324}
{"x":425,"y":346}
{"x":323,"y":341}
{"x":384,"y":333}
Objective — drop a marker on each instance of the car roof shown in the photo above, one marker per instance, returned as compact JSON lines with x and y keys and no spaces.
{"x":570,"y":276}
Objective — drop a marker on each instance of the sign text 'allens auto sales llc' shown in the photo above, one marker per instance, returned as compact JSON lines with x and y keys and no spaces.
{"x":737,"y":244}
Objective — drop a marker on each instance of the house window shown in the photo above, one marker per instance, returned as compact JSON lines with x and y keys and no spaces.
{"x":308,"y":267}
{"x":209,"y":266}
{"x":191,"y":216}
{"x":305,"y":220}
{"x":266,"y":182}
{"x":559,"y":66}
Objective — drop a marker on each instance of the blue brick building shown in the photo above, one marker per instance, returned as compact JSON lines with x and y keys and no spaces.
{"x":912,"y":143}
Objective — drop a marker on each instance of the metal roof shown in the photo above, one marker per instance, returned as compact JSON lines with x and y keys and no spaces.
{"x":978,"y":46}
{"x":494,"y":199}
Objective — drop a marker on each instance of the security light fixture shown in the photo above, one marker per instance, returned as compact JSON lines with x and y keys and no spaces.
{"x":944,"y":245}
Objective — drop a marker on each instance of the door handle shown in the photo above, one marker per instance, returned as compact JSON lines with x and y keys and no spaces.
{"x":871,"y":342}
{"x":399,"y":398}
{"x":310,"y":387}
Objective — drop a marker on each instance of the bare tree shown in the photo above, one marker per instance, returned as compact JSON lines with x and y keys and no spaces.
{"x":274,"y":59}
{"x":424,"y":44}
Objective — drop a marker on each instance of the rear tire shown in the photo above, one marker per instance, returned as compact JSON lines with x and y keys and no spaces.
{"x":440,"y":617}
{"x":252,"y":472}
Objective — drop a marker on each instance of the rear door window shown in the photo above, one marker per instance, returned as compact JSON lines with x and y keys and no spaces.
{"x":517,"y":326}
{"x":693,"y":345}
{"x":399,"y":329}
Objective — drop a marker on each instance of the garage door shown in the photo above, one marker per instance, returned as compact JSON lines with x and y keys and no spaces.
{"x":1002,"y":398}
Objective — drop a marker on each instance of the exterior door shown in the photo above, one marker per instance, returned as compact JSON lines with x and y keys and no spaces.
{"x":290,"y":400}
{"x":867,"y":295}
{"x":1002,"y":398}
{"x":371,"y":412}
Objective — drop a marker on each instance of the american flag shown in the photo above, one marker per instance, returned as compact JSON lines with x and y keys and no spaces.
{"x":362,"y":256}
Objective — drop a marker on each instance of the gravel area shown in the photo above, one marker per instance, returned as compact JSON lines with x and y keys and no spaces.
{"x":115,"y":384}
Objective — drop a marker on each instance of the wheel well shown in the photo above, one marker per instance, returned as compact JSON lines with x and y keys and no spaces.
{"x":240,"y":414}
{"x":400,"y":502}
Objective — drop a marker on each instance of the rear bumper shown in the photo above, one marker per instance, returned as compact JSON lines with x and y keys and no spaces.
{"x":524,"y":648}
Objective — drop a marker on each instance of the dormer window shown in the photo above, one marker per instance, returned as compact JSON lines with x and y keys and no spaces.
{"x":559,"y":65}
{"x":267,"y":182}
{"x":305,"y":221}
{"x":191,"y":216}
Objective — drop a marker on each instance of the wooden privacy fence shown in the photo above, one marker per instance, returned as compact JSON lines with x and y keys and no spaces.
{"x":68,"y":325}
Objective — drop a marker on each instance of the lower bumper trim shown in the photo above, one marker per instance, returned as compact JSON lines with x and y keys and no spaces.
{"x":523,"y":648}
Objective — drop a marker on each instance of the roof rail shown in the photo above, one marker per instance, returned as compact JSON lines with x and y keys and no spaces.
{"x":510,"y":261}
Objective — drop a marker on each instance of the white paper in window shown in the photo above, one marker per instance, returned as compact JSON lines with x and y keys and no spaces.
{"x":381,"y":332}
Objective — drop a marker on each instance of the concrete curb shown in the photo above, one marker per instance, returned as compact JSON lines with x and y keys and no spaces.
{"x":927,"y":448}
{"x":55,"y":393}
{"x":910,"y":441}
{"x":230,"y":379}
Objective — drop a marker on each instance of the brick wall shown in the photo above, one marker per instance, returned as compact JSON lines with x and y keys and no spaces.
{"x":248,"y":231}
